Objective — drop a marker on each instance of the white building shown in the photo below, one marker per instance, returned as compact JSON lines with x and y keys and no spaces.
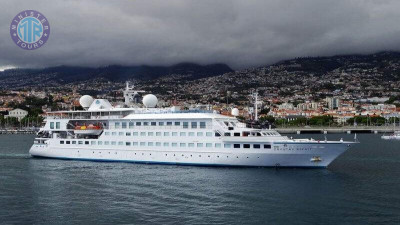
{"x":17,"y":113}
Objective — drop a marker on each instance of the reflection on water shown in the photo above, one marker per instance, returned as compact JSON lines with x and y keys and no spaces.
{"x":360,"y":187}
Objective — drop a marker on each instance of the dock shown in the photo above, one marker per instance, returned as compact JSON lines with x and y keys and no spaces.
{"x":335,"y":130}
{"x":23,"y":131}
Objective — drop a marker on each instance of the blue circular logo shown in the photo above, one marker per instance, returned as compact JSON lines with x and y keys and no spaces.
{"x":30,"y":29}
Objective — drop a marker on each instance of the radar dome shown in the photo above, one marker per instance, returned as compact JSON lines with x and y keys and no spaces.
{"x":235,"y":112}
{"x":150,"y":101}
{"x":86,"y":101}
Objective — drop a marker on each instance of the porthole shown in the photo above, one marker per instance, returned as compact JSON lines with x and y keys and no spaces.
{"x":218,"y":156}
{"x":142,"y":153}
{"x":165,"y":154}
{"x":247,"y":157}
{"x":208,"y":156}
{"x":199,"y":155}
{"x":109,"y":152}
{"x":174,"y":154}
{"x":237,"y":157}
{"x":93,"y":152}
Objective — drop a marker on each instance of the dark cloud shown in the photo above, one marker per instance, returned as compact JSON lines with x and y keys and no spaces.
{"x":239,"y":33}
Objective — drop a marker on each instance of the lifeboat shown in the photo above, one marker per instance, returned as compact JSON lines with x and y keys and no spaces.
{"x":88,"y":130}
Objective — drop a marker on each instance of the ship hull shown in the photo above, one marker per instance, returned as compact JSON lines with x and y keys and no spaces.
{"x":265,"y":158}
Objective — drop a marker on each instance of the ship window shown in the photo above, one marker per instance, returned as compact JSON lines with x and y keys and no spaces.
{"x":73,"y":142}
{"x":120,"y":143}
{"x":218,"y":145}
{"x":124,"y":125}
{"x":185,"y":125}
{"x":209,"y":134}
{"x":121,"y":133}
{"x":138,"y":123}
{"x":166,"y":133}
{"x":113,"y":143}
{"x":127,"y":143}
{"x":191,"y":134}
{"x":135,"y":143}
{"x":174,"y":134}
{"x":194,"y":124}
{"x":236,"y":145}
{"x":128,"y":133}
{"x":107,"y":133}
{"x":182,"y":145}
{"x":227,"y":134}
{"x":62,"y":142}
{"x":150,"y":133}
{"x":106,"y":143}
{"x":267,"y":146}
{"x":191,"y":145}
{"x":200,"y":134}
{"x":158,"y":133}
{"x":57,"y":125}
{"x":114,"y":133}
{"x":177,"y":123}
{"x":100,"y":143}
{"x":145,"y":123}
{"x":131,"y":124}
{"x":135,"y":133}
{"x":217,"y":134}
{"x":158,"y":143}
{"x":226,"y":123}
{"x":142,"y":143}
{"x":86,"y":142}
{"x":80,"y":142}
{"x":246,"y":146}
{"x":51,"y":125}
{"x":202,"y":124}
{"x":93,"y":142}
{"x":142,"y":133}
{"x":182,"y":134}
{"x":154,"y":123}
{"x":68,"y":142}
{"x":150,"y":144}
{"x":256,"y":146}
{"x":160,"y":123}
{"x":236,"y":134}
{"x":199,"y":145}
{"x":116,"y":125}
{"x":166,"y":144}
{"x":227,"y":145}
{"x":174,"y":144}
{"x":169,"y":123}
{"x":208,"y":145}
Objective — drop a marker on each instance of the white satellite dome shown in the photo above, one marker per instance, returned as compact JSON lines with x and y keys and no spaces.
{"x":235,"y":112}
{"x":150,"y":101}
{"x":86,"y":101}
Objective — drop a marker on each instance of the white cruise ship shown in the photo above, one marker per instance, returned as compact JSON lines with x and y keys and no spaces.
{"x":171,"y":136}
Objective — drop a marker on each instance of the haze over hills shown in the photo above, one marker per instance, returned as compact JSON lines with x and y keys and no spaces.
{"x":383,"y":66}
{"x":14,"y":78}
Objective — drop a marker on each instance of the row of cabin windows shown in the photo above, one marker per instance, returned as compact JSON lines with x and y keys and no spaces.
{"x":56,"y":123}
{"x":166,"y":144}
{"x":125,"y":125}
{"x":165,"y":134}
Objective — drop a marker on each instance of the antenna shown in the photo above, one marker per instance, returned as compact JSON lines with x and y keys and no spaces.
{"x":254,"y":94}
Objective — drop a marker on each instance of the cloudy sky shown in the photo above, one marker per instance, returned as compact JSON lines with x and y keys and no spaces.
{"x":240,"y":33}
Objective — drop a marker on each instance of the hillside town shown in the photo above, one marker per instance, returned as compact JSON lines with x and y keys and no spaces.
{"x":340,"y":88}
